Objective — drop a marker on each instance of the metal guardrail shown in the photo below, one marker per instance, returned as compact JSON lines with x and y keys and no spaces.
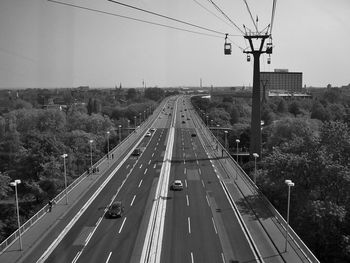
{"x":99,"y":164}
{"x":294,"y":236}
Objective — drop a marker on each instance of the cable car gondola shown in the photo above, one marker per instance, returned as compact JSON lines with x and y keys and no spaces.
{"x":269,"y":60}
{"x":227,"y":47}
{"x":269,"y":47}
{"x":248,"y":57}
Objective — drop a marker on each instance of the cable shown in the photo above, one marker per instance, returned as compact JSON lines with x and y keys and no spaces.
{"x":223,"y":13}
{"x":273,"y":14}
{"x":251,"y":16}
{"x":132,"y":18}
{"x":167,"y":17}
{"x":212,"y":13}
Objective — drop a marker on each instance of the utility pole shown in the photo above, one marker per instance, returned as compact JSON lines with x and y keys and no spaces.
{"x":255,"y":140}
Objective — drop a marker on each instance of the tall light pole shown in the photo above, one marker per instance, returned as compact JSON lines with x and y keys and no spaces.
{"x":226,"y":144}
{"x":120,"y":133}
{"x":15,"y":183}
{"x":144,"y":115}
{"x":289,"y":183}
{"x":135,"y":122}
{"x":128,"y":127}
{"x":207,"y":119}
{"x":255,"y":155}
{"x":217,"y":136}
{"x":237,"y":141}
{"x":90,"y":142}
{"x":64,"y":156}
{"x":108,"y":133}
{"x":140,"y":117}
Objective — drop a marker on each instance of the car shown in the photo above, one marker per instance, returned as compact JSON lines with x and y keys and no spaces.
{"x":193,"y":135}
{"x":116,"y":209}
{"x":137,"y":152}
{"x":177,"y":185}
{"x":148,"y":134}
{"x":182,"y":115}
{"x":152,"y":129}
{"x":183,"y":122}
{"x":188,"y":119}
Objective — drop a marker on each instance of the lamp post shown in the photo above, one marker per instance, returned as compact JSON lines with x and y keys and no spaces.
{"x":90,"y":142}
{"x":120,"y":133}
{"x":289,"y":183}
{"x":140,"y":117}
{"x":217,"y":136}
{"x":108,"y":133}
{"x":207,"y":119}
{"x":144,"y":115}
{"x":237,"y":141}
{"x":128,"y":127}
{"x":64,"y":156}
{"x":135,"y":122}
{"x":255,"y":156}
{"x":226,"y":144}
{"x":15,"y":183}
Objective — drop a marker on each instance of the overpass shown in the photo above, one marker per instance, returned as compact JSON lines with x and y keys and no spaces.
{"x":219,"y":216}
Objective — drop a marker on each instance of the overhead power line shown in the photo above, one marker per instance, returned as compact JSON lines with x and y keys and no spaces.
{"x":166,"y":17}
{"x":133,"y":18}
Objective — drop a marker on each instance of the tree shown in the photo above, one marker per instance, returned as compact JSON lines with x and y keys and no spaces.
{"x":319,"y":112}
{"x":131,"y":94}
{"x":154,"y":93}
{"x":294,"y":108}
{"x":282,"y":106}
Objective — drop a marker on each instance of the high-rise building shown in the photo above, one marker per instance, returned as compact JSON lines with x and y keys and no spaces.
{"x":282,"y":80}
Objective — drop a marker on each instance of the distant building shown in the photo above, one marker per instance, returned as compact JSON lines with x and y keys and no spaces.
{"x":281,"y":80}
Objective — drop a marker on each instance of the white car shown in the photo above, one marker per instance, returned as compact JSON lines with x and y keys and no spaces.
{"x":177,"y":185}
{"x":148,"y":134}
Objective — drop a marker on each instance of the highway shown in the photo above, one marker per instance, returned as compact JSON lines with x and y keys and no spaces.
{"x":200,"y":222}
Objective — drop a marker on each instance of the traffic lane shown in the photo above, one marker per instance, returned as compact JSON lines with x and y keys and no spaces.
{"x":75,"y":239}
{"x":120,"y":241}
{"x":118,"y":235}
{"x":240,"y":248}
{"x":186,"y":216}
{"x":176,"y":216}
{"x":205,"y":244}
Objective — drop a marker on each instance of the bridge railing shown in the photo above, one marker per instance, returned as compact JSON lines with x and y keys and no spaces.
{"x":294,"y":236}
{"x":101,"y":165}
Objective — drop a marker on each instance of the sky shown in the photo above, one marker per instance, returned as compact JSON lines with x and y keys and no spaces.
{"x":50,"y":45}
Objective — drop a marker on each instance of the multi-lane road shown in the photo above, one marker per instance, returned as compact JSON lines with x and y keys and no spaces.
{"x":198,"y":224}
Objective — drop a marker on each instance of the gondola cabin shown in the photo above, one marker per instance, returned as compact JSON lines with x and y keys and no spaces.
{"x":227,"y":48}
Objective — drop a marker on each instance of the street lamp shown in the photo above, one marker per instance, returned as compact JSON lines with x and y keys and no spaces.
{"x":120,"y":133}
{"x":15,"y":183}
{"x":237,"y":141}
{"x":108,"y":133}
{"x":207,"y":119}
{"x":255,"y":156}
{"x":135,"y":122}
{"x":64,"y":156}
{"x":144,"y":115}
{"x":90,"y":142}
{"x":289,"y":183}
{"x":217,"y":136}
{"x":140,"y":117}
{"x":226,"y":146}
{"x":128,"y":127}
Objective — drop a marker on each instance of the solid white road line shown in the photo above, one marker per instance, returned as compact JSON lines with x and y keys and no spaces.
{"x":76,"y":257}
{"x":88,"y":238}
{"x":212,"y":219}
{"x":207,"y":200}
{"x":145,"y":171}
{"x":121,"y":227}
{"x":192,"y":259}
{"x":132,"y":201}
{"x":189,"y":225}
{"x":187,"y":201}
{"x":109,"y":256}
{"x":140,"y":183}
{"x":223,"y":258}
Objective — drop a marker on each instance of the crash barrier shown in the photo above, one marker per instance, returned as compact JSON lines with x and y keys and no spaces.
{"x":99,"y":167}
{"x":250,"y":183}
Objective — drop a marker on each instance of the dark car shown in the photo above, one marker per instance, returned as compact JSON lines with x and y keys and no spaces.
{"x":193,"y":135}
{"x":137,"y":152}
{"x":116,"y":209}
